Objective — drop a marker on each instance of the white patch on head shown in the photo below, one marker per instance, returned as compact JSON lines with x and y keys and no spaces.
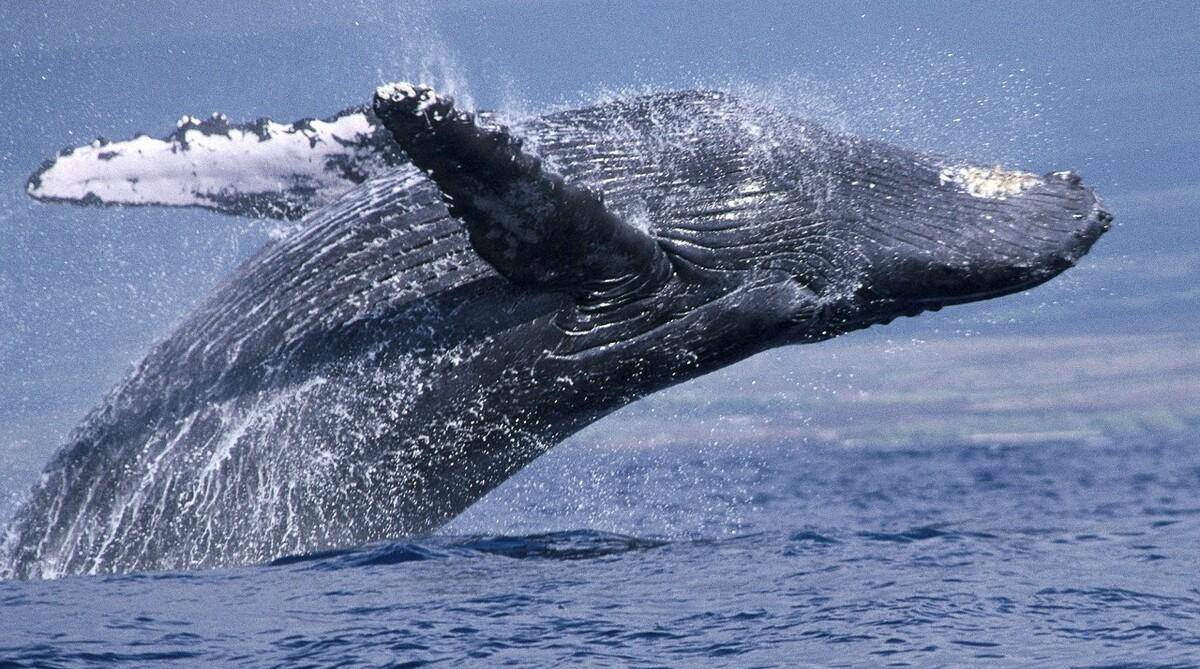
{"x":995,"y":183}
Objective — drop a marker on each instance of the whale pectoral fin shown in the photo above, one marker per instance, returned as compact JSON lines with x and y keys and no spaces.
{"x":260,"y":170}
{"x":536,"y":229}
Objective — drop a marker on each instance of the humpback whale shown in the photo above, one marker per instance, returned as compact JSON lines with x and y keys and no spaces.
{"x":454,"y":296}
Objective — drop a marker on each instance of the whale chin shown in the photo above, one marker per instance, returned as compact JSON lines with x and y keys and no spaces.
{"x":1060,"y":229}
{"x":990,"y":233}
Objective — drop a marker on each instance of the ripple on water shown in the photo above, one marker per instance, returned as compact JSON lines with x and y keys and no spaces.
{"x":1066,"y":557}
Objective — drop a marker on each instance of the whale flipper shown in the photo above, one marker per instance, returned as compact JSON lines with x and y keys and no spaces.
{"x":261,"y":169}
{"x":534,"y":227}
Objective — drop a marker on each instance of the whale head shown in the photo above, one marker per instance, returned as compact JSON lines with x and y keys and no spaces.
{"x":927,"y":234}
{"x":982,"y":233}
{"x":850,"y":231}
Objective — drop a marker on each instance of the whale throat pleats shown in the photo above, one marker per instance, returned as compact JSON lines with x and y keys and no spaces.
{"x":534,"y":227}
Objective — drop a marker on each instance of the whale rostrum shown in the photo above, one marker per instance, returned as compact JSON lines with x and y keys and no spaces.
{"x":458,"y":296}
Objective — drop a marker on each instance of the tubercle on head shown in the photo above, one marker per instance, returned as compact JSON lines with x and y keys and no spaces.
{"x":417,"y":100}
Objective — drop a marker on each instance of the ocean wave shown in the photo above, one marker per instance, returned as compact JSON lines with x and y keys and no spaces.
{"x":566,"y":545}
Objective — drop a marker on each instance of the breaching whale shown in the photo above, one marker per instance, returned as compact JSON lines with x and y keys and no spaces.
{"x":456,"y":297}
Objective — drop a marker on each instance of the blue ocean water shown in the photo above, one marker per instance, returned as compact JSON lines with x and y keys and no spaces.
{"x":787,"y":555}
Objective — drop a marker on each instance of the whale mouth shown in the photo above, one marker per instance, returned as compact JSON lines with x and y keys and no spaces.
{"x":979,"y":233}
{"x":999,"y":235}
{"x":1047,"y":261}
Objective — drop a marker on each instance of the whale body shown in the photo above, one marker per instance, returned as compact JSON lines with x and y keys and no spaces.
{"x":457,"y":297}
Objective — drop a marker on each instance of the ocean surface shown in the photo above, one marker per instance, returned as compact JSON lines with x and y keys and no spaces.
{"x":1048,"y":555}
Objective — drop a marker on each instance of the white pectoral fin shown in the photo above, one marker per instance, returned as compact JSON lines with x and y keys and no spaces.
{"x":262,"y":169}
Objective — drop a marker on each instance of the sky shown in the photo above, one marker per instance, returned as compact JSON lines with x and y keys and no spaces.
{"x":1108,"y":89}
